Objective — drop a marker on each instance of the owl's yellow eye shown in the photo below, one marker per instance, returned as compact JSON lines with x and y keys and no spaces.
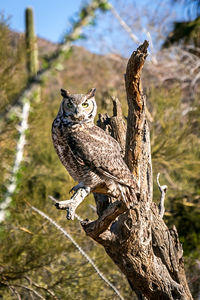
{"x":85,"y":105}
{"x":69,"y":105}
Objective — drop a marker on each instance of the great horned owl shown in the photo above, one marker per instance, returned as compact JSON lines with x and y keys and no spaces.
{"x":91,"y":156}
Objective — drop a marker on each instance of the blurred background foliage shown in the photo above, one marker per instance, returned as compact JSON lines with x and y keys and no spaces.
{"x":36,"y":260}
{"x":12,"y":60}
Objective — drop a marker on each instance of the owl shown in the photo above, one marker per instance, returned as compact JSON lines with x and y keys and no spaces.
{"x":90,"y":155}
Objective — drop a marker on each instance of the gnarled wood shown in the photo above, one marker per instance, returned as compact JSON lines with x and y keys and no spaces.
{"x":137,"y":240}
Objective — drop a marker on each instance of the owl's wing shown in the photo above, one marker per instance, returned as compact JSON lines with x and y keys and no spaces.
{"x":101,"y":153}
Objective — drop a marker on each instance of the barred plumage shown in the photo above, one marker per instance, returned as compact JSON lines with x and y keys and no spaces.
{"x":90,"y":155}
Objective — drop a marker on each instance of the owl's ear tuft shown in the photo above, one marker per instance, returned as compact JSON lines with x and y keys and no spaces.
{"x":91,"y":93}
{"x":64,"y":93}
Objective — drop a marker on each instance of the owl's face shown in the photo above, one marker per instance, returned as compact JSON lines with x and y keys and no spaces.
{"x":78,"y":108}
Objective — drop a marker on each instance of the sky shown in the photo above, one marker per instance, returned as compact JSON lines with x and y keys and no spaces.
{"x":51,"y":17}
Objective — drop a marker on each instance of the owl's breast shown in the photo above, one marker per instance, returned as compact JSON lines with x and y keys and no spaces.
{"x":63,"y":142}
{"x":66,"y":143}
{"x":63,"y":150}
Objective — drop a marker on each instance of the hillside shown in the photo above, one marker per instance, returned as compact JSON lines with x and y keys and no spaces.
{"x":31,"y":249}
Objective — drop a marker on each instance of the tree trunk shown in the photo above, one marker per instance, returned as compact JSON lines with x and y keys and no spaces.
{"x":32,"y":61}
{"x":137,"y":239}
{"x":31,"y":44}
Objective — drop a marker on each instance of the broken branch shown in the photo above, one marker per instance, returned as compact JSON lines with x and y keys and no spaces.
{"x":163,"y":190}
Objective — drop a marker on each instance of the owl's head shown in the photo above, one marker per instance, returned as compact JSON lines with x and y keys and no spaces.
{"x":78,"y":108}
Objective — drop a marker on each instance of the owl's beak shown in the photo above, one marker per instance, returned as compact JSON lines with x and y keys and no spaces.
{"x":77,"y":115}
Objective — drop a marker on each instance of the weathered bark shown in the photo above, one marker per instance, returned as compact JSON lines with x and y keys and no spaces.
{"x":137,"y":239}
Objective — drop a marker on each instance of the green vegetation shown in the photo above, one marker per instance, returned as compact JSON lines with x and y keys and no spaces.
{"x":187,"y":32}
{"x":12,"y":62}
{"x":176,"y":155}
{"x":33,"y":253}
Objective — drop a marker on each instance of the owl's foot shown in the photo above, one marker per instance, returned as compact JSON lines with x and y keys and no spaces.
{"x":71,"y":205}
{"x":63,"y":204}
{"x":68,"y":205}
{"x":76,"y":187}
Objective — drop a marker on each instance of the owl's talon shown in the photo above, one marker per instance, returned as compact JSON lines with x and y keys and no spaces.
{"x":72,"y":190}
{"x":77,"y":187}
{"x":70,"y":214}
{"x":71,"y":205}
{"x":62,"y":204}
{"x":68,"y":206}
{"x":57,"y":205}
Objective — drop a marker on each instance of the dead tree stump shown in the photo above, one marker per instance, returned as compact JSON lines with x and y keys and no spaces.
{"x":137,"y":240}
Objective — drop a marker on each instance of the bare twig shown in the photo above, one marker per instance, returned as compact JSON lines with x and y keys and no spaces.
{"x":31,"y":282}
{"x":163,"y":190}
{"x":124,"y":25}
{"x":93,"y":208}
{"x":79,"y":249}
{"x":132,"y":35}
{"x":15,"y":292}
{"x":28,"y":289}
{"x":152,"y":54}
{"x":177,"y":64}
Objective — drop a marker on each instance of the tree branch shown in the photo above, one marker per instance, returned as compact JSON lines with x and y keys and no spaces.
{"x":137,"y":128}
{"x":163,"y":190}
{"x":95,"y":228}
{"x":138,"y":240}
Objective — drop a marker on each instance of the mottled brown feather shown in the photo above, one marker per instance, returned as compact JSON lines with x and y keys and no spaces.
{"x":89,"y":154}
